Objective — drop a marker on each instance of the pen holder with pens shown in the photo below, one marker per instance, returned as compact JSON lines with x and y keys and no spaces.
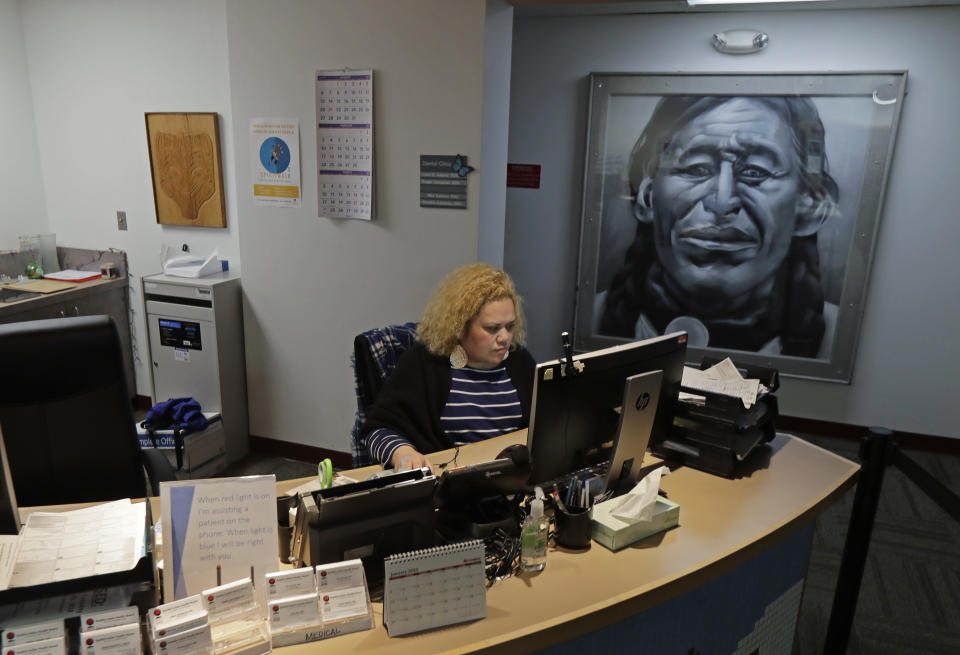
{"x":573,"y":526}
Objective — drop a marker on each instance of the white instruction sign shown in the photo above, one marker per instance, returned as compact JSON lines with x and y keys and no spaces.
{"x":225,"y":523}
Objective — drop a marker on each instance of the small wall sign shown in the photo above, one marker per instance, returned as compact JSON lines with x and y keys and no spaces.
{"x":443,"y":181}
{"x":523,"y":176}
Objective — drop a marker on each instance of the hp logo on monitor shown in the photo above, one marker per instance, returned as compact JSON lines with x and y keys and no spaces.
{"x":642,"y":401}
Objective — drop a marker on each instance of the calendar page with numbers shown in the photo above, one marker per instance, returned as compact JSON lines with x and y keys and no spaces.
{"x":434,"y":587}
{"x":345,"y":143}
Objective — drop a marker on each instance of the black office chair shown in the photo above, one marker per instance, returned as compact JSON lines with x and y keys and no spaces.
{"x":66,"y":418}
{"x":375,"y":354}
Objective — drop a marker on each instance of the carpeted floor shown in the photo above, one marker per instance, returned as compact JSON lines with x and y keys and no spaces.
{"x":282,"y":467}
{"x":909,"y":599}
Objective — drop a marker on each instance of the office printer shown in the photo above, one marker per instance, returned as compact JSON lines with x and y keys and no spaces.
{"x":366,"y":520}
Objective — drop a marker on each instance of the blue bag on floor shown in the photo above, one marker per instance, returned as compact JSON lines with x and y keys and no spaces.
{"x":183,"y":415}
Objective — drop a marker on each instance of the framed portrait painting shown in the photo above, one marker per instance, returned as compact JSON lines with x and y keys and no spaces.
{"x":186,"y":169}
{"x":740,"y":208}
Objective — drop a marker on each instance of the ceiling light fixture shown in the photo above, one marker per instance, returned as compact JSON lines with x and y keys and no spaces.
{"x":740,"y":42}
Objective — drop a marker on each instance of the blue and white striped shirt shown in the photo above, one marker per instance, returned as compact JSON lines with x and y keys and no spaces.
{"x":481,"y":404}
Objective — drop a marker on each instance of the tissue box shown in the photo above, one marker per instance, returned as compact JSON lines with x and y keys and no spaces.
{"x":204,"y":452}
{"x":615,"y":533}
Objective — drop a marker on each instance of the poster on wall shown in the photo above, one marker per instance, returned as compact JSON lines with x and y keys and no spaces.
{"x":345,"y":143}
{"x":740,"y":208}
{"x":275,"y":156}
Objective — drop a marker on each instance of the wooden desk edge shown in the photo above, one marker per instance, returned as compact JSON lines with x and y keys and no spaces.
{"x":56,"y":296}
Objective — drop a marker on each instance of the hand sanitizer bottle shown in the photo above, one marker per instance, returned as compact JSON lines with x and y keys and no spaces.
{"x":533,"y":536}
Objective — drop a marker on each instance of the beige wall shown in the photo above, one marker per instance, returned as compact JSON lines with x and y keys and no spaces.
{"x":22,"y":205}
{"x":95,"y":67}
{"x":311,"y":284}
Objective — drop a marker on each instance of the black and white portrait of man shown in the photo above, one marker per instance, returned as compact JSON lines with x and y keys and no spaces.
{"x":728,"y":195}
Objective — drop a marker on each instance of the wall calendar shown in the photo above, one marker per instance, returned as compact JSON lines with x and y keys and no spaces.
{"x":345,"y":144}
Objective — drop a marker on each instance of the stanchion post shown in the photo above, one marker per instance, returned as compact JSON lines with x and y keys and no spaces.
{"x":876,"y":452}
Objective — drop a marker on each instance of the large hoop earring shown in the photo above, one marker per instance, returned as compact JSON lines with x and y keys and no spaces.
{"x":458,"y":357}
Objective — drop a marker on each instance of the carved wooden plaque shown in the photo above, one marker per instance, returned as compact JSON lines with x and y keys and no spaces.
{"x":186,"y":169}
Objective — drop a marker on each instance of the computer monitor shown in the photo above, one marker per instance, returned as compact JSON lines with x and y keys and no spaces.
{"x":574,"y":418}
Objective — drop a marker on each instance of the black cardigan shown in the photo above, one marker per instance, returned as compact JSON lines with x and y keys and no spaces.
{"x":415,"y":394}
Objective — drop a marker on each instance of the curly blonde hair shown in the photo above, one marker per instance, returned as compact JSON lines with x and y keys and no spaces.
{"x":459,"y":299}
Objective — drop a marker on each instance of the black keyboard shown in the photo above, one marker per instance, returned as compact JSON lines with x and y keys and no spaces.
{"x":596,"y":476}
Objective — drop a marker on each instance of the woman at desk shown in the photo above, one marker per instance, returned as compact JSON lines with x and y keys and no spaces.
{"x":467,"y":377}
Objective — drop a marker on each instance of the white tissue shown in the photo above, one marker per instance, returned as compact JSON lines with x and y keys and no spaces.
{"x":637,"y":504}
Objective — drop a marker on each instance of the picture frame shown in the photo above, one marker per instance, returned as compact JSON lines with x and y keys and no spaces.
{"x":742,"y":208}
{"x":186,"y":168}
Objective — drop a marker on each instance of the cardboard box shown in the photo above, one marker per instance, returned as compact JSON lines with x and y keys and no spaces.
{"x":615,"y":533}
{"x":206,"y":470}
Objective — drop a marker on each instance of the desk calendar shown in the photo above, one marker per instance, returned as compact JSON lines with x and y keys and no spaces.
{"x":430,"y":588}
{"x":345,"y":143}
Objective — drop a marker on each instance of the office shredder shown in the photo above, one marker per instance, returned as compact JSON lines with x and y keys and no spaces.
{"x":195,"y":330}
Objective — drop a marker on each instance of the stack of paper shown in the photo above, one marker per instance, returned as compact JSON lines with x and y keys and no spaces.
{"x":73,"y":276}
{"x":188,"y":265}
{"x":721,"y":378}
{"x":57,"y":546}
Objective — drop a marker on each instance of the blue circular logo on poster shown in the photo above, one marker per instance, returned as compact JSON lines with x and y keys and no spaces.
{"x":275,"y":155}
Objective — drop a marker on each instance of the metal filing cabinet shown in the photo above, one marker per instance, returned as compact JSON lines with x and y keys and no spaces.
{"x":195,"y":328}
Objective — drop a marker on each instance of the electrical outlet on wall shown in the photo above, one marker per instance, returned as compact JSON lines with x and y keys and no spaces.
{"x":121,"y":220}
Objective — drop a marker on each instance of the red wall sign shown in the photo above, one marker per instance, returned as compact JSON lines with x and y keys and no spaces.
{"x":524,"y":176}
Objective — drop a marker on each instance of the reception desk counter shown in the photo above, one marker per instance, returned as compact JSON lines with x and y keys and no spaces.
{"x":729,"y":575}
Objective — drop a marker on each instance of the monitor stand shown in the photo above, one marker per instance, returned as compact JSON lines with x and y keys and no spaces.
{"x":641,"y":395}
